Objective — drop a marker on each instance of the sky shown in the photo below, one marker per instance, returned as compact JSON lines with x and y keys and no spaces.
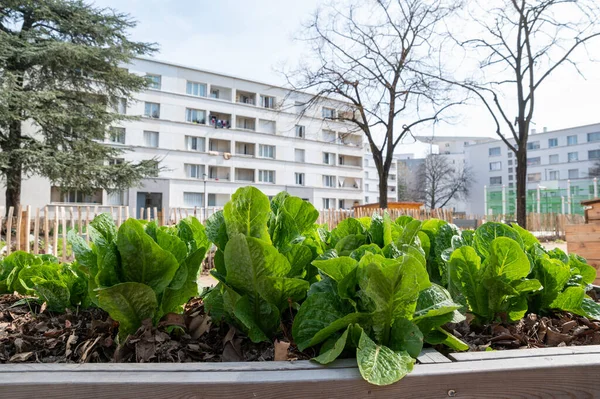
{"x":255,"y":40}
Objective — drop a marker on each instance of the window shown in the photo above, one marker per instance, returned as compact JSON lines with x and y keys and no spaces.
{"x":300,"y":131}
{"x":300,"y":179}
{"x":152,"y":110}
{"x":195,"y":116}
{"x":150,"y":139}
{"x":553,"y":175}
{"x":266,"y":151}
{"x":266,"y":176}
{"x":299,"y":155}
{"x":495,"y":181}
{"x":328,"y":181}
{"x":552,"y":159}
{"x":366,"y":187}
{"x":534,"y":161}
{"x":511,"y":185}
{"x":593,"y":137}
{"x":74,"y":196}
{"x":496,"y":165}
{"x":193,"y":199}
{"x":153,"y":81}
{"x":118,"y":198}
{"x":119,"y":105}
{"x":366,"y":200}
{"x":571,"y":140}
{"x":533,"y":177}
{"x":534,"y":145}
{"x":494,"y":151}
{"x":194,"y":143}
{"x":328,"y":203}
{"x":573,"y":157}
{"x":196,"y":89}
{"x":214,"y":93}
{"x":117,"y":135}
{"x":510,"y":177}
{"x":573,"y":173}
{"x":328,"y":158}
{"x":328,"y":113}
{"x":552,"y":143}
{"x":194,"y":171}
{"x":510,"y":161}
{"x":594,"y":154}
{"x":116,"y":161}
{"x":212,"y":199}
{"x":267,"y":102}
{"x":510,"y":170}
{"x":365,"y":162}
{"x":510,"y":154}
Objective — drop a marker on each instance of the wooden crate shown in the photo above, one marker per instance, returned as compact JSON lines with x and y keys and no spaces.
{"x":584,"y":240}
{"x":592,"y":210}
{"x":569,"y":372}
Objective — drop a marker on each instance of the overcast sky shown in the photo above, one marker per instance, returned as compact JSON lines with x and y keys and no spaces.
{"x":252,"y":39}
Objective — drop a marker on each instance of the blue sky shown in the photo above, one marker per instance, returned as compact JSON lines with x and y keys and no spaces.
{"x":253,"y":39}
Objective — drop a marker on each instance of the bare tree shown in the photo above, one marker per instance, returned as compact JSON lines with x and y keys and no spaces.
{"x":440,"y":181}
{"x":378,"y":56}
{"x":519,"y":45}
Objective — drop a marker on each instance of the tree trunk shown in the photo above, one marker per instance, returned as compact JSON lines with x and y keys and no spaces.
{"x":383,"y":189}
{"x":522,"y":187}
{"x":14,"y":169}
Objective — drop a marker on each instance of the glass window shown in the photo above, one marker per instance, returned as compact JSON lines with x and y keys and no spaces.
{"x":495,"y":180}
{"x":193,"y":199}
{"x":494,"y":151}
{"x":195,"y":116}
{"x":150,"y":139}
{"x":496,"y":165}
{"x":299,"y":155}
{"x":328,"y":181}
{"x":194,"y":143}
{"x":120,"y":105}
{"x":510,"y":170}
{"x":510,"y":154}
{"x":196,"y":89}
{"x":266,"y":151}
{"x":212,"y":199}
{"x":194,"y":171}
{"x":267,"y":102}
{"x":300,"y":179}
{"x":152,"y":110}
{"x":571,"y":140}
{"x":573,"y":157}
{"x":266,"y":176}
{"x":593,"y":137}
{"x":594,"y":154}
{"x":553,"y":159}
{"x":533,"y":177}
{"x":534,"y":145}
{"x":573,"y":173}
{"x":154,"y":81}
{"x":117,"y":135}
{"x":328,"y":113}
{"x":300,"y":131}
{"x":510,"y":177}
{"x":328,"y":203}
{"x":328,"y":158}
{"x":552,"y":143}
{"x":554,"y":175}
{"x":510,"y":161}
{"x":534,"y":161}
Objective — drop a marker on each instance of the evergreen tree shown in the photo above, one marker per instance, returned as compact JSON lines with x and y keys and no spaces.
{"x":61,"y":83}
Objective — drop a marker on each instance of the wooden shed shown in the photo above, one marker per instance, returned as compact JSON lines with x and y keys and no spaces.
{"x":584,"y":239}
{"x":393,"y":205}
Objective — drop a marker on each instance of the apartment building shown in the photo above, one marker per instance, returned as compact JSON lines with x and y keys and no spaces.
{"x":371,"y":180}
{"x":214,"y":133}
{"x":558,"y":166}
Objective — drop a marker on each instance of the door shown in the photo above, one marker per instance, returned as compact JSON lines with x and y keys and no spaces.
{"x":148,"y":200}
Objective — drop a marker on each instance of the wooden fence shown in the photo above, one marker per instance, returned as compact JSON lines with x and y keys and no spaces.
{"x":333,"y":216}
{"x":542,"y":225}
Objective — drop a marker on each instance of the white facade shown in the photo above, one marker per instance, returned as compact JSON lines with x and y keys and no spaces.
{"x":558,"y":162}
{"x":215,"y":133}
{"x":371,"y":186}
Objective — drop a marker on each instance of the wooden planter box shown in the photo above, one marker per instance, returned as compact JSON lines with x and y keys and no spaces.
{"x":568,"y":372}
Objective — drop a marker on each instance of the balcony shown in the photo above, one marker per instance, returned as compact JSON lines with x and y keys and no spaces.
{"x":220,"y":92}
{"x":219,"y":173}
{"x":245,"y":149}
{"x":350,"y":182}
{"x":219,"y":120}
{"x":348,"y":160}
{"x":245,"y":97}
{"x":244,"y":175}
{"x":266,"y":126}
{"x":350,"y":139}
{"x":243,"y":122}
{"x":219,"y":146}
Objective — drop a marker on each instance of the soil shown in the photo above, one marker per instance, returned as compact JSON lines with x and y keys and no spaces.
{"x":30,"y":333}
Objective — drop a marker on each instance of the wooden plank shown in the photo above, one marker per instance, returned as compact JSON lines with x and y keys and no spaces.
{"x":9,"y":219}
{"x":63,"y":216}
{"x":521,"y":353}
{"x":36,"y":232}
{"x":27,"y":229}
{"x":582,"y":228}
{"x":430,"y":355}
{"x":19,"y":227}
{"x":79,"y":220}
{"x":573,"y":376}
{"x":55,"y":235}
{"x":46,"y":231}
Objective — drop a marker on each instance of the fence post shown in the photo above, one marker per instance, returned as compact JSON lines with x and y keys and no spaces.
{"x":55,"y":235}
{"x":19,"y":227}
{"x":46,"y":231}
{"x":9,"y":229}
{"x":569,"y":197}
{"x":36,"y":232}
{"x":27,"y":228}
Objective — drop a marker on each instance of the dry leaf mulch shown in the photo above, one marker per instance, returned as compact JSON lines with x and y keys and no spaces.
{"x":30,"y":333}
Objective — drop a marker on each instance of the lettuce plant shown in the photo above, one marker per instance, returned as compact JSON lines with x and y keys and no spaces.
{"x":141,"y":271}
{"x":60,"y":285}
{"x":263,"y":258}
{"x":382,"y":309}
